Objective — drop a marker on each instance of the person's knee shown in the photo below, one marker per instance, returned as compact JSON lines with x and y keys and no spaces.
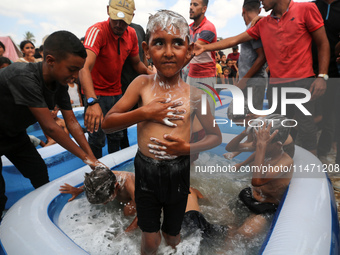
{"x":172,"y":240}
{"x":150,"y":243}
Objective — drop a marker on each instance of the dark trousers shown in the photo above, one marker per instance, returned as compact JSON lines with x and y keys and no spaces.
{"x":24,"y":156}
{"x":306,"y":127}
{"x":124,"y":143}
{"x":328,"y":117}
{"x":337,"y":119}
{"x":97,"y":139}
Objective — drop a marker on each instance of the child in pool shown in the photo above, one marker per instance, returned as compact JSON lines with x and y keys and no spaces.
{"x":235,"y":146}
{"x":162,"y":164}
{"x":103,"y":185}
{"x":60,"y":122}
{"x":267,"y":187}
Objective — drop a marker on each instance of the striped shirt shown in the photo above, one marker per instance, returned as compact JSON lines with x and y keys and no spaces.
{"x":111,"y":51}
{"x":204,"y":65}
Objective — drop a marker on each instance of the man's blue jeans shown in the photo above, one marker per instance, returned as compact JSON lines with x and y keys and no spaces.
{"x":97,"y":139}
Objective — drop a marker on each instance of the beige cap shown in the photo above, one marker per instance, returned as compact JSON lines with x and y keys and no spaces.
{"x":122,"y":10}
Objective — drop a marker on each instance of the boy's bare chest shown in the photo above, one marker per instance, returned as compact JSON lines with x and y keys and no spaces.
{"x":171,"y":94}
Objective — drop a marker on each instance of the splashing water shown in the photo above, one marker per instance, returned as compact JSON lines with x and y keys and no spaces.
{"x":99,"y":229}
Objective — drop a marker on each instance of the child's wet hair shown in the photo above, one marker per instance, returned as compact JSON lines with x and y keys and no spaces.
{"x":233,"y":116}
{"x":276,"y":121}
{"x":164,"y":19}
{"x":99,"y":185}
{"x":61,"y":43}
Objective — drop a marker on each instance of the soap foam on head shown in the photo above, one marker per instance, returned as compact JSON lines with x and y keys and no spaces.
{"x":169,"y":21}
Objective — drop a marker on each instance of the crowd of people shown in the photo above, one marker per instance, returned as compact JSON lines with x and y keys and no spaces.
{"x":295,"y":47}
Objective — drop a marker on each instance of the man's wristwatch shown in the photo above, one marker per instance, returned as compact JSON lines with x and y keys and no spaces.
{"x":92,"y":101}
{"x":324,"y":76}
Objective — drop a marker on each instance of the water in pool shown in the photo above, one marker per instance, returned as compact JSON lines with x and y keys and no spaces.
{"x":99,"y":229}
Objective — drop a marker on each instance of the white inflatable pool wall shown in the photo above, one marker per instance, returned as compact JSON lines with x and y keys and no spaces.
{"x":306,"y":222}
{"x":27,"y":228}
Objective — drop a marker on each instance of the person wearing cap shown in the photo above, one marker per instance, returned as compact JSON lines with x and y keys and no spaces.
{"x":287,"y":35}
{"x":251,"y":68}
{"x":108,"y":44}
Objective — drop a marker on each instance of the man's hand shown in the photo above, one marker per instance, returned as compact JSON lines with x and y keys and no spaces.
{"x":242,"y":84}
{"x":169,"y":149}
{"x":93,"y":117}
{"x":255,"y":20}
{"x":318,"y":88}
{"x":162,"y":110}
{"x":198,"y":49}
{"x":68,"y":189}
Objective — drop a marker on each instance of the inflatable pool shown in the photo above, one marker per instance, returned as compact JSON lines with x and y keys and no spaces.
{"x":59,"y":161}
{"x":306,"y":222}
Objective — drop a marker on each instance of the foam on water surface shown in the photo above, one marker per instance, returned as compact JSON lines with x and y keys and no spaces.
{"x":99,"y":229}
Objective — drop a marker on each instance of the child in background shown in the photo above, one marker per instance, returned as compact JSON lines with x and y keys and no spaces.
{"x":166,"y":110}
{"x":60,"y":122}
{"x":75,"y":97}
{"x":227,"y":75}
{"x":4,"y":62}
{"x":28,"y":50}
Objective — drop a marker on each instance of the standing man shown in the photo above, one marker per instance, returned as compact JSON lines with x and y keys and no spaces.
{"x":202,"y":31}
{"x":129,"y":74}
{"x":330,"y":11}
{"x":108,"y":44}
{"x":252,"y":72}
{"x":28,"y":92}
{"x":287,"y":35}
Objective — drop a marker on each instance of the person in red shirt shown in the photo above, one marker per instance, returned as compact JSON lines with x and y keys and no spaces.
{"x":287,"y":35}
{"x":108,"y":44}
{"x":235,"y":54}
{"x":202,"y":31}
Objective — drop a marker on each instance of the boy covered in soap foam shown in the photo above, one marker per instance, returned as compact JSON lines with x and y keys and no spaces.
{"x":167,"y":107}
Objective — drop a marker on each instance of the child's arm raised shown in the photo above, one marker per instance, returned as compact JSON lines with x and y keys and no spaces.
{"x":158,"y":110}
{"x":264,"y":138}
{"x":233,"y":145}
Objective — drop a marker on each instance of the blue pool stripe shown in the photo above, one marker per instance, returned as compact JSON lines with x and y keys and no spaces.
{"x":272,"y":226}
{"x":335,"y":240}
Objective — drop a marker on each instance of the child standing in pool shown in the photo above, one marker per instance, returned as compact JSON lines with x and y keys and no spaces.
{"x":167,"y":106}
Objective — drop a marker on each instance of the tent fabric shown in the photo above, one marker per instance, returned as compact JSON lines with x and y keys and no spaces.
{"x":12,"y":51}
